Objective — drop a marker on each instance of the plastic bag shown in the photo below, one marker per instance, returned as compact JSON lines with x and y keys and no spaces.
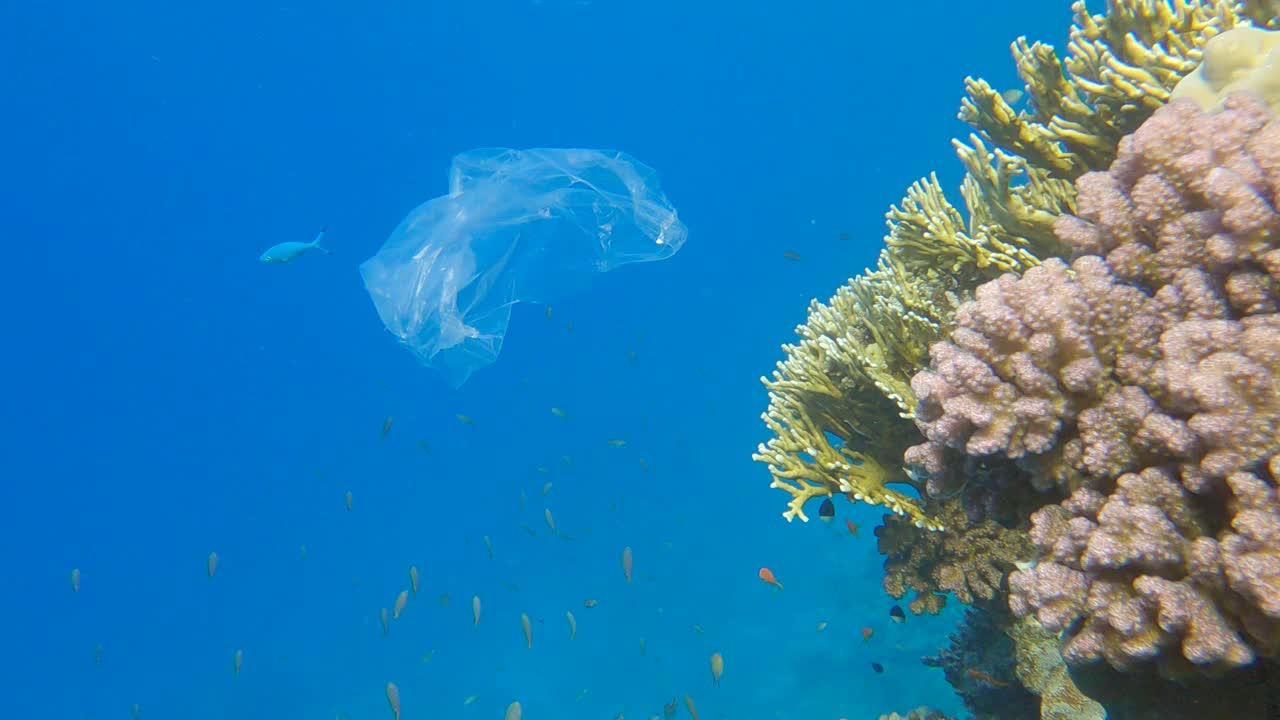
{"x":517,"y":225}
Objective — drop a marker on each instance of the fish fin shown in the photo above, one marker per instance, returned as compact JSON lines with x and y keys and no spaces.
{"x":316,"y":243}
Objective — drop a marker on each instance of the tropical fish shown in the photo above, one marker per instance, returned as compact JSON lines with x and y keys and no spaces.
{"x":878,"y":668}
{"x":644,"y":648}
{"x":471,"y":699}
{"x":75,"y":579}
{"x":413,"y":579}
{"x":867,"y":632}
{"x":513,"y":711}
{"x":590,"y":603}
{"x":427,"y":656}
{"x":465,"y":419}
{"x":393,"y":699}
{"x":984,"y":677}
{"x":573,"y":624}
{"x":853,"y":529}
{"x":567,"y":460}
{"x":569,"y":326}
{"x":548,"y":312}
{"x":616,"y":442}
{"x":237,"y":662}
{"x":302,"y":552}
{"x":843,"y":236}
{"x":528,"y":530}
{"x":292,"y":250}
{"x":767,"y":575}
{"x":688,"y":702}
{"x":821,"y":626}
{"x":581,"y":694}
{"x":698,"y":629}
{"x":402,"y":600}
{"x":211,"y":566}
{"x":644,"y":465}
{"x":544,"y":470}
{"x":386,"y":624}
{"x":528,"y":630}
{"x":386,"y":427}
{"x":558,"y":412}
{"x":827,"y":510}
{"x":551,"y":523}
{"x":443,"y":600}
{"x":546,"y":488}
{"x":792,"y":255}
{"x":475,"y":610}
{"x":97,"y":654}
{"x":626,"y":562}
{"x":425,"y":447}
{"x":346,"y":500}
{"x":896,"y":614}
{"x":1011,"y":96}
{"x":669,"y":709}
{"x":717,"y":668}
{"x":488,"y":546}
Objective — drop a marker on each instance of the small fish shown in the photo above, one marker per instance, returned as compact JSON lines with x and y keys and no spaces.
{"x":626,"y":563}
{"x":427,"y":656}
{"x":551,"y":522}
{"x":292,"y":250}
{"x":75,"y":580}
{"x":546,"y":489}
{"x":393,"y":699}
{"x":792,"y":255}
{"x":528,"y":530}
{"x":644,"y":649}
{"x":514,"y":711}
{"x":717,"y":668}
{"x":985,"y":678}
{"x":631,"y":357}
{"x":616,"y":442}
{"x":402,"y":600}
{"x":237,"y":662}
{"x":821,"y":626}
{"x":471,"y":699}
{"x":843,"y":236}
{"x":573,"y":624}
{"x":211,"y":565}
{"x":443,"y":600}
{"x":878,"y":668}
{"x":644,"y":465}
{"x":302,"y":552}
{"x":581,"y":694}
{"x":558,"y":412}
{"x":384,"y":618}
{"x":465,"y":419}
{"x":548,"y":312}
{"x":698,"y":629}
{"x":569,"y":326}
{"x":896,"y":614}
{"x":590,"y":603}
{"x":386,"y":427}
{"x":853,"y":529}
{"x":97,"y":654}
{"x":528,"y":630}
{"x":413,"y":578}
{"x":767,"y":575}
{"x":346,"y":501}
{"x":1011,"y":96}
{"x":669,"y":709}
{"x":424,"y":446}
{"x":488,"y":546}
{"x":688,"y":702}
{"x":827,"y":510}
{"x":867,"y":632}
{"x":544,"y":470}
{"x":475,"y":610}
{"x":567,"y":460}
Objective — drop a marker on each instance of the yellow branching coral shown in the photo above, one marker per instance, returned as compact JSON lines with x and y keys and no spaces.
{"x":1121,"y":66}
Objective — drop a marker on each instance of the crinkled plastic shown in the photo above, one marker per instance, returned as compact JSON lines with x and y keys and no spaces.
{"x":517,"y":225}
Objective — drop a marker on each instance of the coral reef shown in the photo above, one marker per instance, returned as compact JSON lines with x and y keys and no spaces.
{"x":979,"y":663}
{"x":1042,"y":670}
{"x":969,"y":560}
{"x":1145,"y":379}
{"x":920,"y":713}
{"x":1242,"y":59}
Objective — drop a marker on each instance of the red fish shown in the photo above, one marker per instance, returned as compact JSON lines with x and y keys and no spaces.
{"x":767,"y":575}
{"x":985,"y":678}
{"x":853,"y":529}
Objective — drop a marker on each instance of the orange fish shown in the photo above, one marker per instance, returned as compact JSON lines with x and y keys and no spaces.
{"x":767,"y":575}
{"x":393,"y":697}
{"x":212,"y":565}
{"x":867,"y":632}
{"x":688,"y":702}
{"x":528,"y":630}
{"x":626,"y":562}
{"x":853,"y":529}
{"x":983,"y":677}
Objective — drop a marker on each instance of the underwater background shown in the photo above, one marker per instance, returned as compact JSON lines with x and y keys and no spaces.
{"x":168,"y":396}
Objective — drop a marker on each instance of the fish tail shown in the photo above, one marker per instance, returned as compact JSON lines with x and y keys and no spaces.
{"x":316,"y":243}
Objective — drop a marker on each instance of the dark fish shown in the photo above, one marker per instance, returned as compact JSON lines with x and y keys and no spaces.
{"x":386,"y":426}
{"x":878,"y":668}
{"x":896,"y":614}
{"x":827,"y":510}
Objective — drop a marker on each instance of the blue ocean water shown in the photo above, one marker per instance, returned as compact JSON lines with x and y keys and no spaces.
{"x":167,"y":396}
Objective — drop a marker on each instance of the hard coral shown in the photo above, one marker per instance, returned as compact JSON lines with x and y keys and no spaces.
{"x":1147,"y":381}
{"x":979,"y":664}
{"x":969,"y":560}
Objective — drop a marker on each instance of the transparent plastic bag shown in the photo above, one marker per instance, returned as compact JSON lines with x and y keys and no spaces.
{"x":516,"y":226}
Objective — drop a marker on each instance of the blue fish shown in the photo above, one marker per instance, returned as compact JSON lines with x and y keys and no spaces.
{"x":288,"y":251}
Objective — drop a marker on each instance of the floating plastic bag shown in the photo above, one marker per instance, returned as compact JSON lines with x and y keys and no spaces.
{"x":517,"y":225}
